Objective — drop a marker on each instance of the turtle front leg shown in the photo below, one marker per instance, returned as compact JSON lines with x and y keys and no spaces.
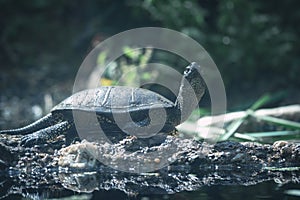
{"x":46,"y":133}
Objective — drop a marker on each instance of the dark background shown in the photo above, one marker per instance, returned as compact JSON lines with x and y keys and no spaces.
{"x":42,"y":44}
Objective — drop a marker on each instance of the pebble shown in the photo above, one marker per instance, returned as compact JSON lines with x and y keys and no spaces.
{"x":279,"y":144}
{"x":286,"y":150}
{"x":157,"y":160}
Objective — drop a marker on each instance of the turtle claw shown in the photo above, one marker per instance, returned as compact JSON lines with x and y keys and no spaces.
{"x":31,"y":139}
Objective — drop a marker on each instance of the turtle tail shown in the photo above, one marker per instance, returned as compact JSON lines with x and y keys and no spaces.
{"x":44,"y":122}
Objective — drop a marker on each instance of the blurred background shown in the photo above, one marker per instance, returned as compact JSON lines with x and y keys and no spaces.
{"x":42,"y":44}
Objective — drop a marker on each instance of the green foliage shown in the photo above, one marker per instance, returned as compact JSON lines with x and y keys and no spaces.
{"x":129,"y":69}
{"x":249,"y":40}
{"x":175,"y":14}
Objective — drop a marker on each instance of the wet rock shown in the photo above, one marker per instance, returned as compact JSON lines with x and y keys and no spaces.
{"x":238,"y":158}
{"x":177,"y":165}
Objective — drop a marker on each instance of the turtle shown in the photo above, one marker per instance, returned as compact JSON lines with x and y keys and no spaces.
{"x":141,"y":112}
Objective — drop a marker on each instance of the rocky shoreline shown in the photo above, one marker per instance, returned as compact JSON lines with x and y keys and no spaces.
{"x":195,"y":164}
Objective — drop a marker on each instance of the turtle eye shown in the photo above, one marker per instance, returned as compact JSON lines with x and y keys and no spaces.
{"x":187,"y":70}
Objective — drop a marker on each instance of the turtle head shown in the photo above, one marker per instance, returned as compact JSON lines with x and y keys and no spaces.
{"x":191,"y":90}
{"x":192,"y":80}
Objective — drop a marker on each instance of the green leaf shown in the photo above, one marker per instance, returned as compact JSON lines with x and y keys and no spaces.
{"x":131,"y":53}
{"x":101,"y":58}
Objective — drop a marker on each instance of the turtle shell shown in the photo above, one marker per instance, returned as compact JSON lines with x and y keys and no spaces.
{"x":117,"y":103}
{"x":117,"y":99}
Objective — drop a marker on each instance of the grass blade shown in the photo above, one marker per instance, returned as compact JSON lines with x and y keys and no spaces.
{"x":272,"y":134}
{"x":232,"y":129}
{"x":261,"y":101}
{"x":282,"y":122}
{"x":246,"y":137}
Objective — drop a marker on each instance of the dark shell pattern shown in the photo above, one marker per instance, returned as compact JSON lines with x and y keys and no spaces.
{"x":114,"y":99}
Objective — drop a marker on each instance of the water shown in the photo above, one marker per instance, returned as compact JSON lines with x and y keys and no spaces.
{"x":265,"y":190}
{"x":62,"y":183}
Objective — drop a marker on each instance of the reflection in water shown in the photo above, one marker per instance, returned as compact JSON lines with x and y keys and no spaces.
{"x":105,"y":181}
